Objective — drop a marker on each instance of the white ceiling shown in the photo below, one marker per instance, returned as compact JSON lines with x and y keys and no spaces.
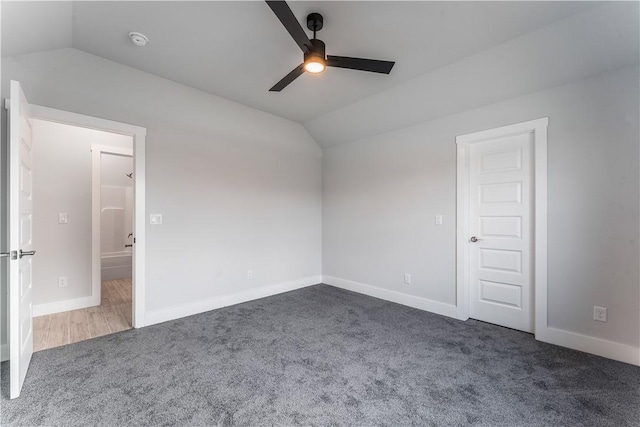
{"x":238,"y":50}
{"x":599,"y":40}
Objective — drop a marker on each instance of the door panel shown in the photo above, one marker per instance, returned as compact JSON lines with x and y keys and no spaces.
{"x":501,"y":293}
{"x":20,"y":239}
{"x":500,"y":217}
{"x":501,"y":226}
{"x":501,"y":260}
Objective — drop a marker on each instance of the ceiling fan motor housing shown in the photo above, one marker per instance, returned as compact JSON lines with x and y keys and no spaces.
{"x":317,"y":50}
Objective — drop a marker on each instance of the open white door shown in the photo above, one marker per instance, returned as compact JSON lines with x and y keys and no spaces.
{"x":20,"y":239}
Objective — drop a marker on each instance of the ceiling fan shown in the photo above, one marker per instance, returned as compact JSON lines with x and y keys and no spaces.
{"x":313,"y":50}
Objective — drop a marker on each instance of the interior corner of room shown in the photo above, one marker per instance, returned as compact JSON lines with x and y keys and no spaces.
{"x":498,"y":180}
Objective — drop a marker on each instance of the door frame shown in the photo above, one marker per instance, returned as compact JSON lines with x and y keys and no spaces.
{"x":139,"y":248}
{"x":96,"y":221}
{"x":538,"y":128}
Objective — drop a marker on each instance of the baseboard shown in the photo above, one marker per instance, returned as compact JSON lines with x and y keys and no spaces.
{"x":61,"y":306}
{"x":4,"y":352}
{"x":114,"y":273}
{"x":421,"y":303}
{"x":588,"y":344}
{"x":177,"y":312}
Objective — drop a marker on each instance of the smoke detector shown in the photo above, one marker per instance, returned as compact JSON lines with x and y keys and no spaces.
{"x":138,"y":39}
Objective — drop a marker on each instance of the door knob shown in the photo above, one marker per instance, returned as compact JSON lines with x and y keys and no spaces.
{"x":474,"y":239}
{"x":26,"y":253}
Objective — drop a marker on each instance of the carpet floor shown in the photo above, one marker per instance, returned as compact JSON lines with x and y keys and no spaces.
{"x":322,"y":356}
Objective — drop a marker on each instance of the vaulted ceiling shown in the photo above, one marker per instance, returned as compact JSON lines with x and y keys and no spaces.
{"x":238,"y":50}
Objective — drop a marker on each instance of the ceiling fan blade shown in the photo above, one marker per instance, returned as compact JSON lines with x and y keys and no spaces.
{"x":294,"y":74}
{"x":373,"y":65}
{"x":288,"y":19}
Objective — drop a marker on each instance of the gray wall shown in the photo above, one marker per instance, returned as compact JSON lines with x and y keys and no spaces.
{"x":239,"y":188}
{"x":62,"y":183}
{"x":381,"y":194}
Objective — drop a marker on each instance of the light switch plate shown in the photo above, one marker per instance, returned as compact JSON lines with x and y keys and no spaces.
{"x":155,"y":219}
{"x":438,"y":219}
{"x":63,"y":218}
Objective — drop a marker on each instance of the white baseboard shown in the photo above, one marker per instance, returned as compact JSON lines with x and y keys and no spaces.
{"x":61,"y":306}
{"x":114,"y":273}
{"x":4,"y":352}
{"x":588,"y":344}
{"x":421,"y":303}
{"x":177,"y":312}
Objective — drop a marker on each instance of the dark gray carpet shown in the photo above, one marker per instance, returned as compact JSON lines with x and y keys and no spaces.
{"x":322,"y":356}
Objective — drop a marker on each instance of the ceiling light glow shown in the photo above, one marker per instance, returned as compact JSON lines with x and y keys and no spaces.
{"x":314,"y":65}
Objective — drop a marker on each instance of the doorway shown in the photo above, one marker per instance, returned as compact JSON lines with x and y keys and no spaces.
{"x":501,"y":225}
{"x":74,"y":297}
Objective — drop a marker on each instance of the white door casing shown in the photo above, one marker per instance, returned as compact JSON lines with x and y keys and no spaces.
{"x":20,"y":239}
{"x":500,"y":218}
{"x":501,"y":201}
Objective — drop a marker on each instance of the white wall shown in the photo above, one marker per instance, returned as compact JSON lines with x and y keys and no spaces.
{"x":62,"y":183}
{"x":381,"y":194}
{"x":239,"y":189}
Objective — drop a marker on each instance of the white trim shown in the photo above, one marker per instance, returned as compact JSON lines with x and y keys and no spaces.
{"x":588,"y":344}
{"x":96,"y":203}
{"x":184,"y":310}
{"x":539,"y":130}
{"x":61,"y":116}
{"x":421,"y":303}
{"x":4,"y":352}
{"x":66,"y":305}
{"x":139,"y":139}
{"x":139,"y":259}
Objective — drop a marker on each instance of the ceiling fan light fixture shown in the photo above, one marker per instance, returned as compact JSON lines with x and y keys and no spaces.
{"x":315,"y":65}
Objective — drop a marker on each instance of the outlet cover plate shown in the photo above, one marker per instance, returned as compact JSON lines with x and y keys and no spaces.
{"x":599,"y":314}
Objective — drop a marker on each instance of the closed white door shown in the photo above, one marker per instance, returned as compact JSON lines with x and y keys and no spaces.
{"x":500,"y":231}
{"x":20,"y":239}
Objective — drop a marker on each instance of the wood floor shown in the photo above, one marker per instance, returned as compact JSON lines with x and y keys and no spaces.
{"x":112,"y":315}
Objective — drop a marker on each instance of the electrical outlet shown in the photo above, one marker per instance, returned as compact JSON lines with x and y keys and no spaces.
{"x":63,"y":218}
{"x":407,"y":279}
{"x":599,"y":314}
{"x":250,"y":274}
{"x":62,"y":281}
